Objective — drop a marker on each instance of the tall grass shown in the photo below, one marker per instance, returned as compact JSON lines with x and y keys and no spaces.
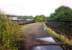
{"x":9,"y":32}
{"x":62,"y":38}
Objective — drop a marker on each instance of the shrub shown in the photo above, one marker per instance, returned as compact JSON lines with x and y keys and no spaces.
{"x":8,"y":33}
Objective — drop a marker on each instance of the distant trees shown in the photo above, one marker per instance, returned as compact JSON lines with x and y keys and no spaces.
{"x":63,"y":15}
{"x":25,"y":17}
{"x":40,"y":18}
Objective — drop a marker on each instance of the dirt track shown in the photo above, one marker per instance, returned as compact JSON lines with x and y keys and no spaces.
{"x":32,"y":29}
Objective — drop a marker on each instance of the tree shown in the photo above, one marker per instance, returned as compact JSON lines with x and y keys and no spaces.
{"x":39,"y":18}
{"x":63,"y":15}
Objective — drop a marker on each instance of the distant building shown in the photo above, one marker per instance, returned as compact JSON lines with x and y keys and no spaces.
{"x":12,"y":17}
{"x":29,"y":19}
{"x":15,"y":18}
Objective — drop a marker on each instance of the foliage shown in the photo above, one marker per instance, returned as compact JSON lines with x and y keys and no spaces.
{"x":63,"y":15}
{"x":25,"y":17}
{"x":8,"y":33}
{"x":39,"y":18}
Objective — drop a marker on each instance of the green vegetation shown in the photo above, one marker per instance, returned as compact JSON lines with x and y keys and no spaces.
{"x":25,"y":17}
{"x":9,"y":33}
{"x":62,"y":38}
{"x":39,"y":18}
{"x":63,"y":15}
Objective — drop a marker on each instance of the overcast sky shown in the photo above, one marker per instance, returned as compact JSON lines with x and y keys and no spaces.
{"x":32,"y":7}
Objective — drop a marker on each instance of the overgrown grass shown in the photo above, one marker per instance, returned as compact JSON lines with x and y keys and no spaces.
{"x":9,"y":33}
{"x":62,"y":38}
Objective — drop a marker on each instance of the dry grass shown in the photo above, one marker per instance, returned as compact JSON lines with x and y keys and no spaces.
{"x":62,"y":38}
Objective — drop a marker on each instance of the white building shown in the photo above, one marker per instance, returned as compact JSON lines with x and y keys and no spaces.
{"x":13,"y":18}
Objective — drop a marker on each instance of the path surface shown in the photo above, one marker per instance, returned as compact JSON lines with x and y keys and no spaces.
{"x":35,"y":28}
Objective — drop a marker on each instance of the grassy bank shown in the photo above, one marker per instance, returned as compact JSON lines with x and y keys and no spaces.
{"x":62,"y":38}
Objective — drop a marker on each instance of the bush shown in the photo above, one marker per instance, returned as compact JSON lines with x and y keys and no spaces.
{"x":8,"y":33}
{"x":40,"y":18}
